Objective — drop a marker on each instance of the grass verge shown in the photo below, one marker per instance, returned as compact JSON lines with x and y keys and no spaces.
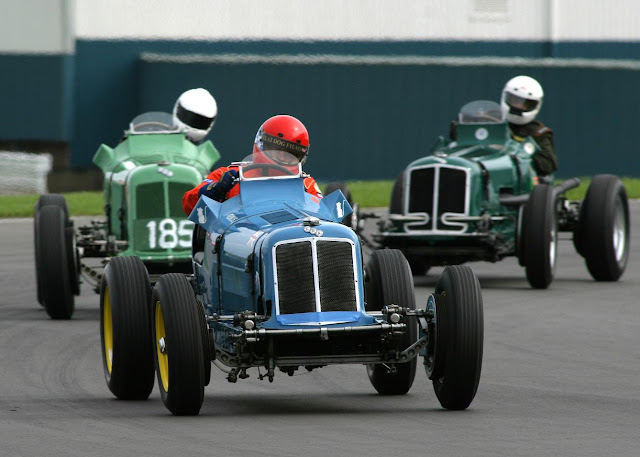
{"x":368,"y":194}
{"x":80,"y":204}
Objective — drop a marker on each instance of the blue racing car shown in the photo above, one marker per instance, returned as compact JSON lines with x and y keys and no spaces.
{"x":279,"y":285}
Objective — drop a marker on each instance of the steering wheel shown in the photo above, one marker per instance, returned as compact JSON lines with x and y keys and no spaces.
{"x":266,"y":167}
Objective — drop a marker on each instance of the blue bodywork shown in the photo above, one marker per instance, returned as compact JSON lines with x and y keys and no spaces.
{"x":235,"y":273}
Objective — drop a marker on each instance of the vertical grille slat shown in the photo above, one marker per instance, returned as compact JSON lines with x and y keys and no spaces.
{"x":421,"y":186}
{"x":335,"y":273}
{"x":451,"y":197}
{"x":450,"y":185}
{"x":150,"y":201}
{"x":296,"y":283}
{"x":176,"y":191}
{"x":296,"y":289}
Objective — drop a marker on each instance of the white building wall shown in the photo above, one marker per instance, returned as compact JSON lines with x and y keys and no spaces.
{"x":50,"y":26}
{"x":598,"y":20}
{"x":37,"y":26}
{"x":500,"y":20}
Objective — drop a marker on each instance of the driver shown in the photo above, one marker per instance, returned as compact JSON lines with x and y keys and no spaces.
{"x":195,"y":113}
{"x":520,"y":103}
{"x":279,"y":138}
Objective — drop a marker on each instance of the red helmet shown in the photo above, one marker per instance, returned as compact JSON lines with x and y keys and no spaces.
{"x":281,"y":133}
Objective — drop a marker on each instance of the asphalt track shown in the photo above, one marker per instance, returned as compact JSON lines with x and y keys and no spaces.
{"x":561,"y":377}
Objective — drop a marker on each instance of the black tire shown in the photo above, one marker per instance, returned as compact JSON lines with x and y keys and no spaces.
{"x":54,"y":200}
{"x":396,"y":206}
{"x":604,"y":229}
{"x":74,"y":271}
{"x":540,"y":236}
{"x":125,"y":330}
{"x":344,"y":188}
{"x":460,"y":337}
{"x":52,"y":263}
{"x":419,"y":266}
{"x":389,"y":281}
{"x":179,"y":346}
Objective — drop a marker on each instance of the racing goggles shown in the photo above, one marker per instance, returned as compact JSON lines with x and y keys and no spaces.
{"x":283,"y":151}
{"x":518,"y":104}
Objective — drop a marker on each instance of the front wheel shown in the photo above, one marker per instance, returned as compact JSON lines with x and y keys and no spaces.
{"x":389,"y":281}
{"x":125,"y":333}
{"x":459,"y":336}
{"x":540,"y":236}
{"x":603,"y":228}
{"x":177,"y":335}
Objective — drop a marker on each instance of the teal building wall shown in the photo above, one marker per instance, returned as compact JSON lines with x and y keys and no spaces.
{"x":366,"y":120}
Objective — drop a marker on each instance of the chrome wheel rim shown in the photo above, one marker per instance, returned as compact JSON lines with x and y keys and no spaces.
{"x":161,"y":349}
{"x":107,"y":329}
{"x":619,"y":231}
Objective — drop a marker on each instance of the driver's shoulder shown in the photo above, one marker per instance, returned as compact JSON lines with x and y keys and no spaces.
{"x":218,"y":172}
{"x":538,"y":129}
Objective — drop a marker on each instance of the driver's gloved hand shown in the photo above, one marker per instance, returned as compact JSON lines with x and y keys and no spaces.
{"x":218,"y":190}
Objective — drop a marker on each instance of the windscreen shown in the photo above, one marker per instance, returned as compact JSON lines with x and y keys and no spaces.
{"x":153,"y":122}
{"x":480,"y":112}
{"x":268,"y":164}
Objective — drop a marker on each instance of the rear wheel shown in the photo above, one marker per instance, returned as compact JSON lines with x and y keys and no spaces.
{"x":72,"y":260}
{"x":419,"y":266}
{"x":178,"y":345}
{"x":455,"y":372}
{"x":603,"y":228}
{"x":540,"y":236}
{"x":54,"y":283}
{"x":125,"y":333}
{"x":389,"y":281}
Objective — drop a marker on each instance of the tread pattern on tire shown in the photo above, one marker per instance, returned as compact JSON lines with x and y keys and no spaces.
{"x":464,"y":329}
{"x":132,"y":374}
{"x":184,"y":345}
{"x":540,"y":218}
{"x":52,"y":259}
{"x":596,"y":228}
{"x":45,"y":200}
{"x":390,"y":281}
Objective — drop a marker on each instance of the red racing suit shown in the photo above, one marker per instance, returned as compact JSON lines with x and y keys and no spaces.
{"x":191,"y":197}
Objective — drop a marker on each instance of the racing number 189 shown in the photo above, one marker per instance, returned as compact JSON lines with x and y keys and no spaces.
{"x":168,"y":235}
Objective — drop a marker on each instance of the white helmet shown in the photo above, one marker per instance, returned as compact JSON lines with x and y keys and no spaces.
{"x":521,"y":100}
{"x":195,"y":112}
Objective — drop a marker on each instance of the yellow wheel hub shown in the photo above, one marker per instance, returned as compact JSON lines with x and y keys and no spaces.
{"x":161,"y":348}
{"x":107,"y":329}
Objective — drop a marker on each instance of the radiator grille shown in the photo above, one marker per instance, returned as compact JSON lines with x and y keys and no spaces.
{"x":150,"y":200}
{"x":297,"y":284}
{"x":451,"y":198}
{"x":448,"y":185}
{"x":421,"y":194}
{"x":296,"y":289}
{"x":335,"y":275}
